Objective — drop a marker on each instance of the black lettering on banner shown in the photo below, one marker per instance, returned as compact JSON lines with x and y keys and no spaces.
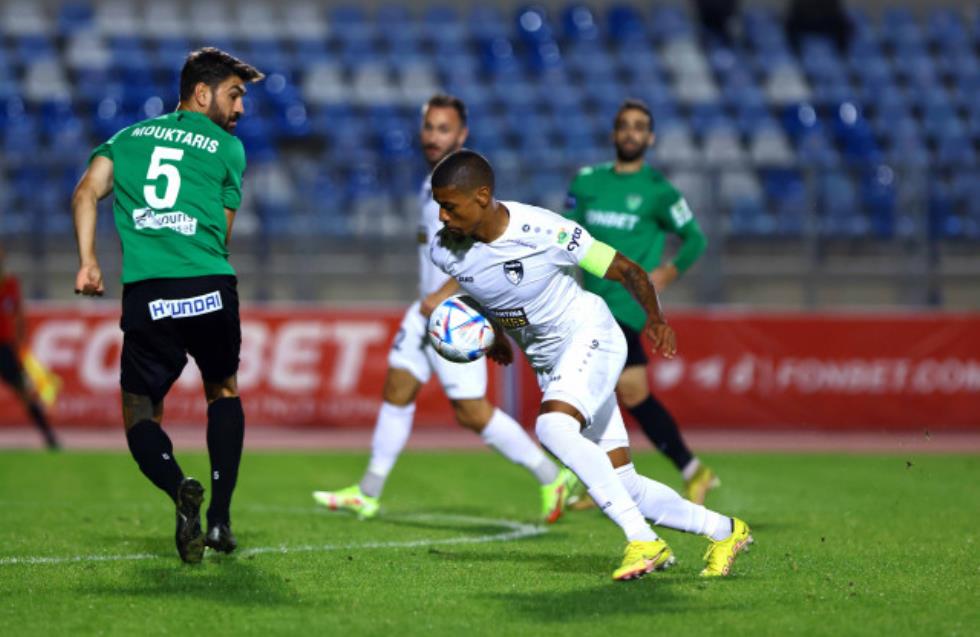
{"x":510,"y":319}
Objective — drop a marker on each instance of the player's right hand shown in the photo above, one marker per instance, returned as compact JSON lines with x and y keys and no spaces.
{"x":88,"y":281}
{"x":501,"y":352}
{"x":663,"y":338}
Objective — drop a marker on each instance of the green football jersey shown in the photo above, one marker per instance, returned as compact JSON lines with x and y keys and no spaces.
{"x":632,"y":212}
{"x":173,"y":177}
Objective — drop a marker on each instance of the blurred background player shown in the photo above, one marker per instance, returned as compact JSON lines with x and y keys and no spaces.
{"x":518,"y":262}
{"x":412,"y":361}
{"x":177,"y":182}
{"x":630,"y":206}
{"x":13,"y":332}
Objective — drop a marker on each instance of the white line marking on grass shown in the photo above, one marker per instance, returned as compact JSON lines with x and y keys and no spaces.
{"x":513,"y":531}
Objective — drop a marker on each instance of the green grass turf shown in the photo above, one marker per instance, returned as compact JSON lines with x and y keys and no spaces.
{"x":861,"y":545}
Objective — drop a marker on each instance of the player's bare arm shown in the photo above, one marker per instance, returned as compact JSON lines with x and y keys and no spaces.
{"x":636,"y":281}
{"x":432,"y":301}
{"x":95,"y":184}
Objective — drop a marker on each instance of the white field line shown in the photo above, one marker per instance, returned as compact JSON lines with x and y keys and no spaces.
{"x":512,"y":531}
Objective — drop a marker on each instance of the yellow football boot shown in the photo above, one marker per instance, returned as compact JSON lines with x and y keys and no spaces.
{"x":704,"y":480}
{"x":349,"y":499}
{"x":720,"y":555}
{"x":642,"y":558}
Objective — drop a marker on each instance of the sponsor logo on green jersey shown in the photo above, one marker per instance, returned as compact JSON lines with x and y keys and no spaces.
{"x":149,"y":219}
{"x":610,"y":219}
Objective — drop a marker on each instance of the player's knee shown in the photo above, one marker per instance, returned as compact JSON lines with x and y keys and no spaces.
{"x":473,"y":414}
{"x":632,"y":388}
{"x":227,"y":388}
{"x":137,"y":408}
{"x":400,"y":388}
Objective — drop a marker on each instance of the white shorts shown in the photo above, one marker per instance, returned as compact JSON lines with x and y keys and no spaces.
{"x":412,"y":352}
{"x":586,"y":376}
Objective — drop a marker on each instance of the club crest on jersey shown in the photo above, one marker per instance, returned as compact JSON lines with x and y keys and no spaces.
{"x":633,"y":202}
{"x":514,"y":270}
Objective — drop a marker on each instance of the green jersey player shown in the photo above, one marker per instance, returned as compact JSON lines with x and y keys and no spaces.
{"x":177,"y":182}
{"x":632,"y":207}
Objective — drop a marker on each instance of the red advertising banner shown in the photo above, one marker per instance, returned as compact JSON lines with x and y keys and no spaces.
{"x":299,"y":367}
{"x":316,"y":367}
{"x":831,"y":371}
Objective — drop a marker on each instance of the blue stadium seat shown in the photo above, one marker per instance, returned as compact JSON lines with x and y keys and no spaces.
{"x":854,"y":134}
{"x":814,"y":149}
{"x":625,"y":23}
{"x":708,"y":116}
{"x":669,"y":22}
{"x":842,"y":215}
{"x":73,"y":17}
{"x":946,"y":29}
{"x":955,"y":150}
{"x":878,"y":199}
{"x":486,"y":22}
{"x":786,"y":197}
{"x":28,"y":49}
{"x":21,"y":136}
{"x":531,"y":24}
{"x":578,"y":22}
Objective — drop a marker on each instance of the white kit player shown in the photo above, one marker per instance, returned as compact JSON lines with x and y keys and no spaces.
{"x":412,"y":361}
{"x":518,"y":262}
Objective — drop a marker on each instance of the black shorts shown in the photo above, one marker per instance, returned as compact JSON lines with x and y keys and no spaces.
{"x":163,"y":320}
{"x":636,"y":353}
{"x":11,"y":371}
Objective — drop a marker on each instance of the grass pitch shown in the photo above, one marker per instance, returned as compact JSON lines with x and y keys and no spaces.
{"x":858,"y":545}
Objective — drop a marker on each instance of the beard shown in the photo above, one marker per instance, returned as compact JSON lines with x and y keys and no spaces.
{"x":224,"y":121}
{"x":440,"y":154}
{"x":628,"y":155}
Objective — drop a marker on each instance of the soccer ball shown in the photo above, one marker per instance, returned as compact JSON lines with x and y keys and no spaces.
{"x":458,"y":331}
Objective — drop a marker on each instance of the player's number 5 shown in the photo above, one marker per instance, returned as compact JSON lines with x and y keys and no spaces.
{"x":159,"y":169}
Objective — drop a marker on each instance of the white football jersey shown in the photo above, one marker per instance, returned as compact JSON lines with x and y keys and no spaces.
{"x":431,"y":278}
{"x":525,"y":279}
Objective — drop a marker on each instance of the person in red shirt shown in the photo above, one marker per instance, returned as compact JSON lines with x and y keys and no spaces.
{"x":12,"y":333}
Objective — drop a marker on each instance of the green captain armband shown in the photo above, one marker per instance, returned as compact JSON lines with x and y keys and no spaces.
{"x":598,"y":259}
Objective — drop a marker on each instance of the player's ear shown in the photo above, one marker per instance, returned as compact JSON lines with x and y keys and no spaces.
{"x":463,"y":135}
{"x":202,"y":94}
{"x":483,"y":196}
{"x":653,"y":138}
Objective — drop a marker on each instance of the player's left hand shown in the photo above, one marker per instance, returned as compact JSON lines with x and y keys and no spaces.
{"x":663,"y":276}
{"x":88,"y":281}
{"x":501,"y":351}
{"x":663,"y":338}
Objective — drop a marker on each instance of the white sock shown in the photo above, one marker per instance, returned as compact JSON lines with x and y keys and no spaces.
{"x":391,"y":432}
{"x":665,"y":507}
{"x":690,"y":469}
{"x":509,"y":438}
{"x":560,"y":434}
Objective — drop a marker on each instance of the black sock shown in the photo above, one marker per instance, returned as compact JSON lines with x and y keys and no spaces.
{"x":154,"y":453}
{"x":661,"y":429}
{"x":37,"y":414}
{"x":226,"y":434}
